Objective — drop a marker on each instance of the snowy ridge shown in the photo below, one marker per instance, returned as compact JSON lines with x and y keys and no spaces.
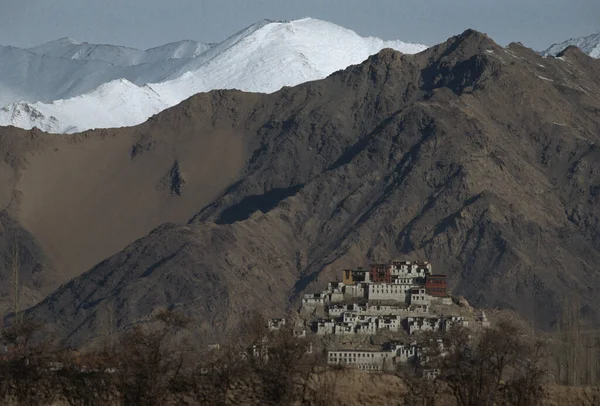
{"x":277,"y":54}
{"x":590,"y":45}
{"x":64,"y":68}
{"x":26,"y":76}
{"x":261,"y":58}
{"x":119,"y":55}
{"x":115,"y":104}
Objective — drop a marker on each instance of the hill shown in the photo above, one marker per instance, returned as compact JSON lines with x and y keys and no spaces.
{"x":481,"y":159}
{"x":84,"y":197}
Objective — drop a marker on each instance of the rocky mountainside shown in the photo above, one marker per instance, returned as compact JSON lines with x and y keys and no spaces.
{"x":481,"y":159}
{"x":84,"y":197}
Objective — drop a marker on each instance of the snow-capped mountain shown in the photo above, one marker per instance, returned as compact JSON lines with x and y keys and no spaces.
{"x":261,"y":58}
{"x":27,"y":76}
{"x":64,"y":68}
{"x":269,"y":55}
{"x":114,"y":104}
{"x":590,"y":45}
{"x":119,"y":55}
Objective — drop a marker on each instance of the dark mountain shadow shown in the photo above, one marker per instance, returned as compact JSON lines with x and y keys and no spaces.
{"x":251,"y":204}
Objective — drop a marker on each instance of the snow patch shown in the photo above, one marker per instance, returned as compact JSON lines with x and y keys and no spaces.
{"x":549,"y":80}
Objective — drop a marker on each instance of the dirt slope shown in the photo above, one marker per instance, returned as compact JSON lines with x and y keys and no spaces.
{"x":84,"y":197}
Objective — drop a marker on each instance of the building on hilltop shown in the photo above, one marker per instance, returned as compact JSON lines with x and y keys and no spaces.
{"x":436,"y":285}
{"x":406,"y":353}
{"x":414,"y":324}
{"x":336,"y":292}
{"x":410,"y":284}
{"x":393,"y":323}
{"x":450,"y":321}
{"x":388,"y":291}
{"x":311,"y":300}
{"x":374,"y":361}
{"x":381,"y":273}
{"x":358,"y":275}
{"x":362,"y":359}
{"x":419,"y":296}
{"x":414,"y":269}
{"x":325,"y":327}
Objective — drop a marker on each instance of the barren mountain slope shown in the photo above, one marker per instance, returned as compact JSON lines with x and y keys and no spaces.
{"x":483,"y":160}
{"x":84,"y":197}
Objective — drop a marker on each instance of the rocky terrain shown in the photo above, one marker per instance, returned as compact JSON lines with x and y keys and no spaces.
{"x":481,"y":159}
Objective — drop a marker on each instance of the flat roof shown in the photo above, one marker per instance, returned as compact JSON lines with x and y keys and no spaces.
{"x":359,"y":350}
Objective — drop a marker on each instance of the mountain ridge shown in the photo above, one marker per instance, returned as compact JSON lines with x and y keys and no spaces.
{"x":120,"y":55}
{"x":589,"y":44}
{"x":253,"y":59}
{"x":478,"y":158}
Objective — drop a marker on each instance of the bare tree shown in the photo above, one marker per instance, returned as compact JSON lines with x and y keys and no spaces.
{"x":525,"y":387}
{"x":500,"y":366}
{"x":323,"y":386}
{"x":575,"y":354}
{"x":286,"y":362}
{"x":215,"y":373}
{"x":25,"y":370}
{"x":150,"y":362}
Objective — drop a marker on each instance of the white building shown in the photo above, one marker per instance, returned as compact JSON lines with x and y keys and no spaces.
{"x":406,"y":353}
{"x":450,"y":321}
{"x":388,"y":291}
{"x":350,"y":317}
{"x":336,"y":292}
{"x":369,"y":328}
{"x":336,"y":310}
{"x":357,"y":291}
{"x":325,"y":327}
{"x":345,"y":329}
{"x":362,"y":359}
{"x":384,"y":310}
{"x":415,"y":324}
{"x":312,"y":300}
{"x":419,"y":296}
{"x":299,"y":333}
{"x":393,"y":323}
{"x":410,"y":269}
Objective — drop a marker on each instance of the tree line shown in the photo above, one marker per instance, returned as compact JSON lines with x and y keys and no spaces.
{"x":160,"y":365}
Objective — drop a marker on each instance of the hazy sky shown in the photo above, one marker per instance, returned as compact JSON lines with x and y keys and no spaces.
{"x":147,"y":23}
